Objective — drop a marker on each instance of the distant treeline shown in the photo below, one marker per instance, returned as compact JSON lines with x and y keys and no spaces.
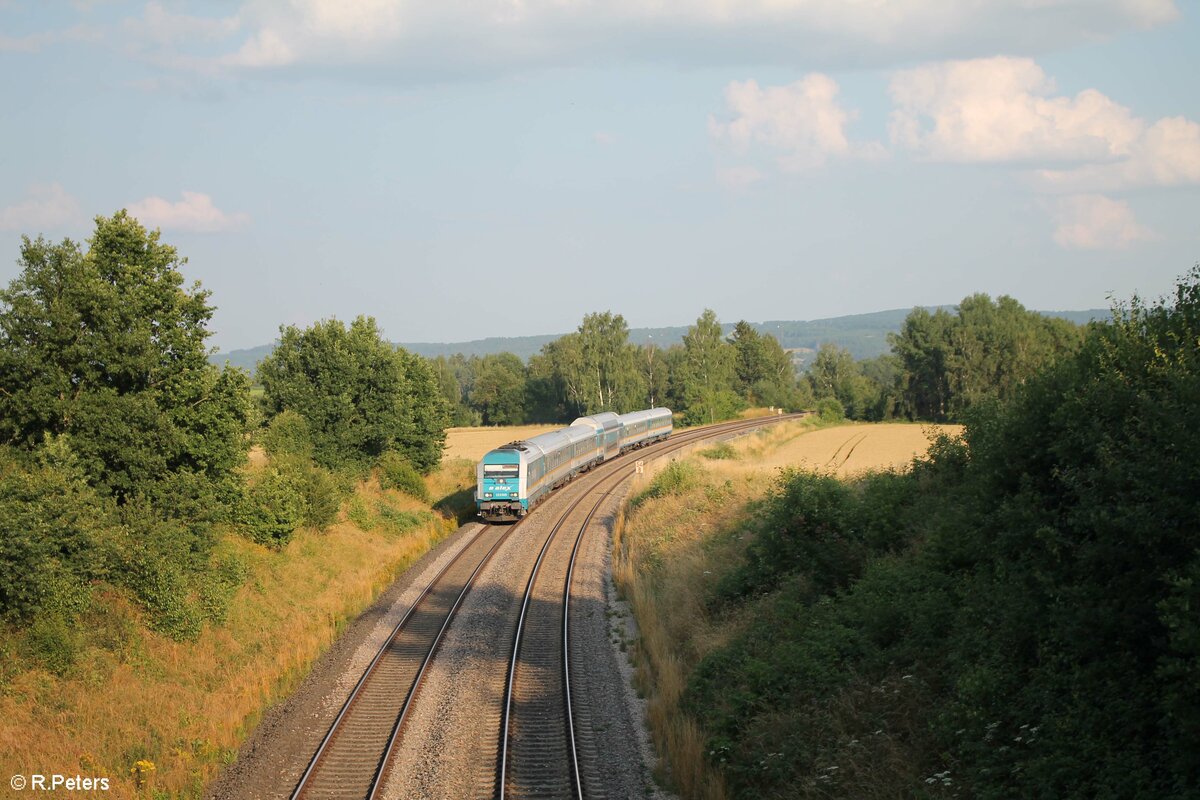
{"x":864,"y":335}
{"x":709,"y":377}
{"x":942,"y":363}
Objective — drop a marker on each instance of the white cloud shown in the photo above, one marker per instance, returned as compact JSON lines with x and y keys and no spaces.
{"x":195,"y":212}
{"x":738,"y":178}
{"x":484,"y":35}
{"x":1166,"y":154}
{"x":604,"y":138}
{"x":1000,"y":109}
{"x":802,"y":122}
{"x":1004,"y":110}
{"x":45,"y":207}
{"x":1096,"y":222}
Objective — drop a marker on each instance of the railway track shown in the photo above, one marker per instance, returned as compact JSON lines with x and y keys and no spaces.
{"x":545,"y":750}
{"x":351,"y":758}
{"x":543,"y":759}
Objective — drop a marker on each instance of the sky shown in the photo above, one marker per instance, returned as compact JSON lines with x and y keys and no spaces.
{"x":470,"y":168}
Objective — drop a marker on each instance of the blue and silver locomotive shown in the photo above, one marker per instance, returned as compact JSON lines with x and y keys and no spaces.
{"x":512,"y":479}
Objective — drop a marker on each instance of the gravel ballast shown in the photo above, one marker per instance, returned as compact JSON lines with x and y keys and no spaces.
{"x":271,"y":761}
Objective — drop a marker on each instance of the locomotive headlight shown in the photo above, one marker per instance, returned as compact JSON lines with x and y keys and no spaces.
{"x":487,"y":494}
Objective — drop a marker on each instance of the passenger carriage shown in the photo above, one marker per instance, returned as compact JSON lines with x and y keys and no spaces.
{"x":640,"y":428}
{"x":607,"y":426}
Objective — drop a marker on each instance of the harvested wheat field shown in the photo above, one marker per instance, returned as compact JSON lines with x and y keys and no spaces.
{"x":841,"y":450}
{"x":472,"y":443}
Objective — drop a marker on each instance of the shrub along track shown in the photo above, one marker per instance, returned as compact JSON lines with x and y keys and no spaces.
{"x":541,"y":740}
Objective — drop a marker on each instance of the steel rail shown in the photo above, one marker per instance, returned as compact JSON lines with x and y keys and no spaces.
{"x":336,"y":728}
{"x":614,"y":479}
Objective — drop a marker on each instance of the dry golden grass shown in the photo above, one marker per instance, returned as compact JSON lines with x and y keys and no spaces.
{"x":668,"y":552}
{"x":257,"y":458}
{"x":472,"y":443}
{"x":664,"y":556}
{"x":187,"y":706}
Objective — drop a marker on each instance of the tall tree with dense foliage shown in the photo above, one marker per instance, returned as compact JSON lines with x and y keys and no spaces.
{"x":424,"y":440}
{"x":765,"y":374}
{"x":834,"y":373}
{"x":590,"y":370}
{"x":360,"y":395}
{"x":455,"y":377}
{"x":707,"y":373}
{"x":750,"y":360}
{"x":107,"y":347}
{"x":655,"y":374}
{"x":612,"y":377}
{"x":499,"y":390}
{"x":986,"y":349}
{"x":558,"y":379}
{"x":923,"y":347}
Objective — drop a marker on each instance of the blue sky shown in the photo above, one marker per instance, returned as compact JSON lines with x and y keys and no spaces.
{"x":469,"y":168}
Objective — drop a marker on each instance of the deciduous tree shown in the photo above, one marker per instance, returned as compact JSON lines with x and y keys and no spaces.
{"x":360,"y":395}
{"x":707,"y":372}
{"x":108,"y":347}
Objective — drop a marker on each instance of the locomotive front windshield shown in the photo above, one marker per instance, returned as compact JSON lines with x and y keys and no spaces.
{"x":500,"y":480}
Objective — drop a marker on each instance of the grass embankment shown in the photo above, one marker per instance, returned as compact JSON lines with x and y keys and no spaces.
{"x":685,"y":532}
{"x":132,"y":695}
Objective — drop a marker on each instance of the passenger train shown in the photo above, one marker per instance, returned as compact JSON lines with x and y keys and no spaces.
{"x":515,"y":477}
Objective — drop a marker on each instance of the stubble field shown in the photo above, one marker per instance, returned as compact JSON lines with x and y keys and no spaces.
{"x":844,"y":450}
{"x":472,"y":443}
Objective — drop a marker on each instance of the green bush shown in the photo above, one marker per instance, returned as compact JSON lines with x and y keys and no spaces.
{"x":52,"y":640}
{"x":396,"y":472}
{"x":805,"y":525}
{"x":274,"y":508}
{"x":720,"y":451}
{"x":220,"y":585}
{"x":713,"y":406}
{"x":288,"y":435}
{"x":51,"y":527}
{"x":358,"y":513}
{"x":322,"y":497}
{"x":164,"y":592}
{"x":830,"y":409}
{"x":675,"y":479}
{"x":397,"y":521}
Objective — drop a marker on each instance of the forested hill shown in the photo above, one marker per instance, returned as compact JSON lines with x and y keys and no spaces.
{"x":864,"y":335}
